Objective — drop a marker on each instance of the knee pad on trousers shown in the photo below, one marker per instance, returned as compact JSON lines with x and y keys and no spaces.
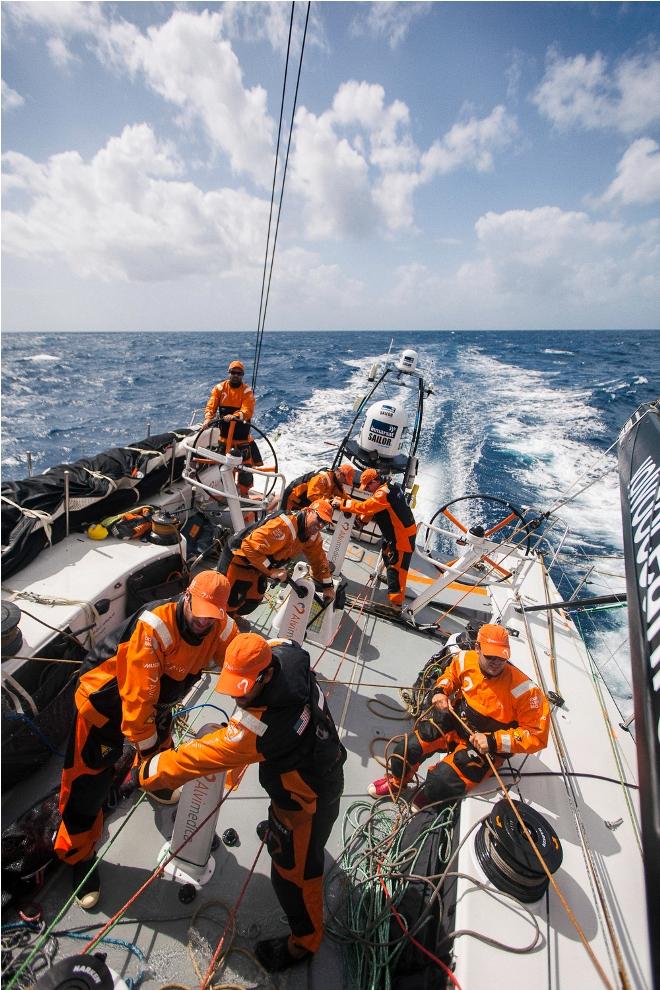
{"x":432,"y":730}
{"x":470,"y":765}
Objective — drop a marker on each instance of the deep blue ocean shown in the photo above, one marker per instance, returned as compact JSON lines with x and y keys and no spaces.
{"x":524,"y":415}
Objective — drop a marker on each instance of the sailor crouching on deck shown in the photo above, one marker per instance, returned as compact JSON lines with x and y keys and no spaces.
{"x":126,"y":690}
{"x":282,"y":723}
{"x":503,"y":711}
{"x":390,"y":511}
{"x":309,"y":487}
{"x":262,"y":550}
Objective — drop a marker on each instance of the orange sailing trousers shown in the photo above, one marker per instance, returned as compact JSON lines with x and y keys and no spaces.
{"x":461,"y":769}
{"x":87,"y":776}
{"x":300,"y":819}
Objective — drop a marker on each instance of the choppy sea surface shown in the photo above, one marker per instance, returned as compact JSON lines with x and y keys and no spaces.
{"x":530,"y":416}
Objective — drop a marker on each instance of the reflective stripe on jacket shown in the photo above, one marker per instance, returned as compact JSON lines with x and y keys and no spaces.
{"x":146,"y":663}
{"x":277,"y":540}
{"x":223,"y":396}
{"x":509,"y":706}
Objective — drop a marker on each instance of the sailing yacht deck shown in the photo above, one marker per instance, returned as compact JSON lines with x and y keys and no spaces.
{"x":574,"y":783}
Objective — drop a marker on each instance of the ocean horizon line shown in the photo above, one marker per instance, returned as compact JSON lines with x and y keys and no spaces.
{"x":353,"y":330}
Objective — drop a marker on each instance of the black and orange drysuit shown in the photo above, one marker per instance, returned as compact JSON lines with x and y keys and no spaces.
{"x":509,"y":709}
{"x":309,"y":487}
{"x":239,"y":402}
{"x":390,"y":511}
{"x":227,"y":400}
{"x":126,"y":690}
{"x":250,"y":555}
{"x":290,"y":733}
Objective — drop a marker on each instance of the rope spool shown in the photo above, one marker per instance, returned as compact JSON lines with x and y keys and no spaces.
{"x":12,"y":638}
{"x":165,"y":529}
{"x":506,"y":856}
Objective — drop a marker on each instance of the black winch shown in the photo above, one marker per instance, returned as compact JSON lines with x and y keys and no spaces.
{"x":506,"y":855}
{"x":164,"y":529}
{"x":12,"y":638}
{"x":81,"y":973}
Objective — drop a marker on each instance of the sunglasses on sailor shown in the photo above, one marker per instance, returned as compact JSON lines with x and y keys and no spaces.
{"x":236,"y":374}
{"x":492,"y":659}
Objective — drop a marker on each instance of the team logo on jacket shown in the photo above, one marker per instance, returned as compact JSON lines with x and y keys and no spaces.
{"x":233,"y":733}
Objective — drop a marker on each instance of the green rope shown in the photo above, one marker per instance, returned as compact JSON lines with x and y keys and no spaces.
{"x":375,"y":849}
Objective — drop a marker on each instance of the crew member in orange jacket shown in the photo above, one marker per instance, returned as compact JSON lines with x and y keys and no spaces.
{"x":317,"y":484}
{"x":283,"y":723}
{"x":231,"y":400}
{"x":503,"y":711}
{"x":126,"y":689}
{"x":390,"y":510}
{"x":262,"y":550}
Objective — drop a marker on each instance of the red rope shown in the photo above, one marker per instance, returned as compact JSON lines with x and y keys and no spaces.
{"x":230,"y":918}
{"x":110,"y":923}
{"x":412,"y":938}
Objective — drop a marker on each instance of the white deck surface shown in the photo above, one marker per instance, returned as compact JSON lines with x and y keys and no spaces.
{"x":372,"y":659}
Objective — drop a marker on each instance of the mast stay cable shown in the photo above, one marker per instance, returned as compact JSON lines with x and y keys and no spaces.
{"x":265,"y":283}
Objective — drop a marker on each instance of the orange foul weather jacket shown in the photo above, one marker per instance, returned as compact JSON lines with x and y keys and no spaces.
{"x":147,"y":664}
{"x":291,"y":734}
{"x":277,"y":541}
{"x":126,"y":690}
{"x":308,"y":489}
{"x":389,"y":509}
{"x":226,"y":400}
{"x":509,"y":708}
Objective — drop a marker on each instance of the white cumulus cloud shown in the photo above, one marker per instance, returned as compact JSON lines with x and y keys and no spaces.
{"x":637,"y":175}
{"x":127,"y":215}
{"x":387,"y":20}
{"x":190,"y":63}
{"x":583,"y":92}
{"x":539,"y":268}
{"x":11,"y":100}
{"x":357,"y":166}
{"x":471,"y":143}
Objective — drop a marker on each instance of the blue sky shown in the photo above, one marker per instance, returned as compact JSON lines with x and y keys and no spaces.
{"x":453,"y":166}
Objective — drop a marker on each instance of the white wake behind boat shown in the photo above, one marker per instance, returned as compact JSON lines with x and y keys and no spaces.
{"x":489,"y":909}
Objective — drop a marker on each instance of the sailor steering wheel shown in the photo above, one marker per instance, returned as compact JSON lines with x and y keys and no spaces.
{"x":490,"y":517}
{"x":270,"y":462}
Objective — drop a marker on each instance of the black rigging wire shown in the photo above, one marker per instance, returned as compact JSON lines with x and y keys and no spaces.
{"x":265,"y":286}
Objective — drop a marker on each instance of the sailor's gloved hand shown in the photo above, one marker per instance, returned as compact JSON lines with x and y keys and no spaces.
{"x":336,"y":502}
{"x":329,"y":592}
{"x":279,"y":574}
